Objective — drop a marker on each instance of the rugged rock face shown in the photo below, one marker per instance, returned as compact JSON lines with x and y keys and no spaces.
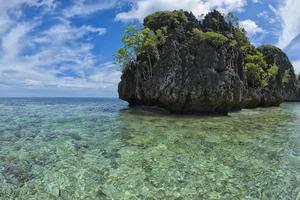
{"x":190,"y":77}
{"x":207,"y":76}
{"x":259,"y":97}
{"x":289,"y":84}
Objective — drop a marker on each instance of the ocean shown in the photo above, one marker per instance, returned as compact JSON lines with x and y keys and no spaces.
{"x":76,"y":148}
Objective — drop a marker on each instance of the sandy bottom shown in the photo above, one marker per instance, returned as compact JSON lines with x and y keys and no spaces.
{"x":93,"y":149}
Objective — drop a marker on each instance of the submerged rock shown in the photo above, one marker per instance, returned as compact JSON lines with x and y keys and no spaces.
{"x":199,"y":68}
{"x":53,"y":189}
{"x":17,"y":173}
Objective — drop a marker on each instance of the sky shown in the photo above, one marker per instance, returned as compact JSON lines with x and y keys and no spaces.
{"x":65,"y":48}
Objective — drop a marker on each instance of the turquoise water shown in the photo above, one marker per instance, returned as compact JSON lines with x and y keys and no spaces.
{"x":97,"y":149}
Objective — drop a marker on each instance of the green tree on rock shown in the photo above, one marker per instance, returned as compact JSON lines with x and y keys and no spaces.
{"x":139,"y":42}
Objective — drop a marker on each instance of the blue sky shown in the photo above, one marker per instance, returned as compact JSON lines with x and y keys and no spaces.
{"x":51,"y":48}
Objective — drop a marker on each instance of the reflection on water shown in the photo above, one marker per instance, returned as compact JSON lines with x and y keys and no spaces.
{"x":89,"y":149}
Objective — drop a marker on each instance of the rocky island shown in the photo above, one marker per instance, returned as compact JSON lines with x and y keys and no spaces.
{"x":201,"y":66}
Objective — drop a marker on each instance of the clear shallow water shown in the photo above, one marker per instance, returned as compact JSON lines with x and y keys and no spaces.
{"x":94,"y":149}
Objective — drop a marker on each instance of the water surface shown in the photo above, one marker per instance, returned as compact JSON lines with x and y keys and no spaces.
{"x":96,"y":149}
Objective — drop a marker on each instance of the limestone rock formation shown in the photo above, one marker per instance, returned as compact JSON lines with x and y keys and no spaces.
{"x":205,"y":67}
{"x":288,"y":82}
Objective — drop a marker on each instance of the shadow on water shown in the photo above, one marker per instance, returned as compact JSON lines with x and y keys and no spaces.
{"x":157,"y":111}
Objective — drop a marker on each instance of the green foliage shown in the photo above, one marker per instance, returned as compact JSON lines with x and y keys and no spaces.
{"x":241,"y":38}
{"x":212,"y":38}
{"x":286,"y":77}
{"x":149,"y":40}
{"x":273,"y":71}
{"x":255,"y":75}
{"x":233,"y":43}
{"x":249,"y":49}
{"x":161,"y":35}
{"x":257,"y":59}
{"x":258,"y":72}
{"x":123,"y":57}
{"x":146,"y":42}
{"x":167,"y":19}
{"x":269,"y":48}
{"x":137,"y":42}
{"x":254,"y":65}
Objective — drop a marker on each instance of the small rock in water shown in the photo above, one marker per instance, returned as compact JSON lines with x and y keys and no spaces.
{"x":76,"y":136}
{"x":53,"y":189}
{"x":16,"y":173}
{"x":78,"y":146}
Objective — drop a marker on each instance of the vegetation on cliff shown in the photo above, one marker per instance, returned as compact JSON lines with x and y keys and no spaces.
{"x":212,"y":38}
{"x":144,"y":40}
{"x":173,"y":48}
{"x":139,"y":42}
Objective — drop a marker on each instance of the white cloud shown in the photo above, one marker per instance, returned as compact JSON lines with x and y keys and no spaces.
{"x":11,"y":41}
{"x":64,"y":31}
{"x":269,"y":18}
{"x":89,"y":28}
{"x":10,"y":11}
{"x":142,"y":8}
{"x":296,"y":65}
{"x":84,"y":7}
{"x":251,"y":27}
{"x":58,"y":57}
{"x":273,"y":9}
{"x":55,"y":50}
{"x":32,"y":83}
{"x":290,"y":15}
{"x":108,"y":76}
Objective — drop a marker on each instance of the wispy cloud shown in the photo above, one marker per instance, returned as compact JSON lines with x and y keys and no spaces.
{"x":60,"y":55}
{"x":85,"y":8}
{"x":251,"y":27}
{"x":290,"y":16}
{"x":289,"y":32}
{"x":296,"y":65}
{"x":142,"y":8}
{"x":49,"y":46}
